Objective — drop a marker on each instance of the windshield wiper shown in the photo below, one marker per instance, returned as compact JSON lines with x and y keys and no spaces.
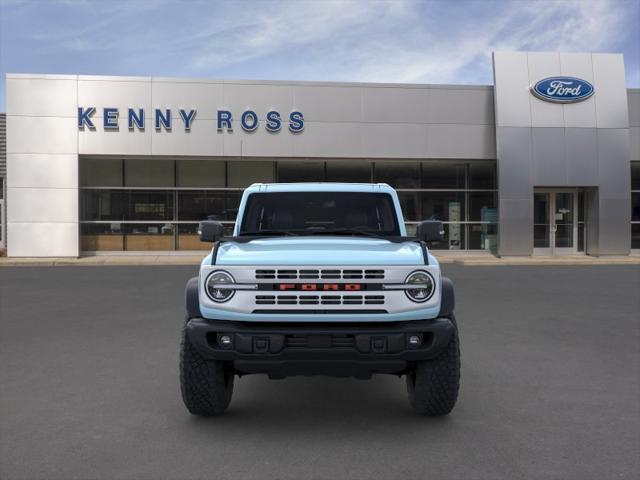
{"x":245,"y":237}
{"x":351,"y":231}
{"x":285,"y":233}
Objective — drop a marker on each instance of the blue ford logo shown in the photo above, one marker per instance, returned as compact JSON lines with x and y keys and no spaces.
{"x":562,"y":89}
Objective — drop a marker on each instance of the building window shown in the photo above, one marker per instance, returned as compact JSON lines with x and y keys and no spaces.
{"x":156,"y":204}
{"x":101,"y":236}
{"x":207,"y":204}
{"x":243,"y":174}
{"x":409,"y":205}
{"x":349,"y":172}
{"x":443,"y":206}
{"x":635,"y":236}
{"x":149,"y":173}
{"x":482,"y":205}
{"x":454,"y":237}
{"x":482,"y":176}
{"x":301,"y":171}
{"x":482,"y":236}
{"x":443,"y":176}
{"x":635,"y":205}
{"x":200,"y":173}
{"x":99,"y":172}
{"x":149,"y":205}
{"x":635,"y":176}
{"x":463,"y":195}
{"x":398,"y":174}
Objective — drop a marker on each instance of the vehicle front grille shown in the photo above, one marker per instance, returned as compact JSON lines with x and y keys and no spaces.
{"x":328,"y":274}
{"x":319,"y":299}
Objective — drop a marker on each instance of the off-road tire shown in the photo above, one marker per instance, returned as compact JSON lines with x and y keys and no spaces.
{"x":206,"y":385}
{"x":433,"y":384}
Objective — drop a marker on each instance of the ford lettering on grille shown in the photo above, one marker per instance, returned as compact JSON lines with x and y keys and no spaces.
{"x":349,"y":287}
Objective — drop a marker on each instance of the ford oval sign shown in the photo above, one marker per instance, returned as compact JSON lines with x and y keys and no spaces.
{"x":562,"y":89}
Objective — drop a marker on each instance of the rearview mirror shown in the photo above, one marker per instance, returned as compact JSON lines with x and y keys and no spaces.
{"x":210,"y":231}
{"x":430,"y":231}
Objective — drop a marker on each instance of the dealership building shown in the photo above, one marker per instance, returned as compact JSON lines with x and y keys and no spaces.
{"x":546,"y":161}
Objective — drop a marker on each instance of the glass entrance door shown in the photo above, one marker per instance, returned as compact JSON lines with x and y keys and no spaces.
{"x":554,"y":222}
{"x":564,"y":224}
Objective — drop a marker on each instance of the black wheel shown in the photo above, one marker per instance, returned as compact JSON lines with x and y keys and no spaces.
{"x":433,"y":384}
{"x":206,"y":385}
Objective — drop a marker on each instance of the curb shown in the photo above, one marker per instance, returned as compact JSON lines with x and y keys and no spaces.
{"x":555,"y":262}
{"x":100,"y":261}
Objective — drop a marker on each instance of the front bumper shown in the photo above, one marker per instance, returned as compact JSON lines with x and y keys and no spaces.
{"x":344,"y":350}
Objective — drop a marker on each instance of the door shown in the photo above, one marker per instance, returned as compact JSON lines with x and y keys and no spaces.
{"x":564,"y":223}
{"x":554,"y":222}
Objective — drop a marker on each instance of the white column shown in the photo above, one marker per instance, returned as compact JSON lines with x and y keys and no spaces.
{"x":42,"y":166}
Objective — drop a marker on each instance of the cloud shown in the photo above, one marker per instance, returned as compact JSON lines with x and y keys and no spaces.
{"x":407,"y":41}
{"x":530,"y":26}
{"x":349,"y":40}
{"x":281,"y":27}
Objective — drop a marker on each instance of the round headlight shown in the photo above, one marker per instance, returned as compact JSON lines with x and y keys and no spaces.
{"x":426,"y":289}
{"x":219,"y":294}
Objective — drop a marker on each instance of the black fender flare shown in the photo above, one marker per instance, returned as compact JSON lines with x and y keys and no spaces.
{"x":448,"y":299}
{"x":191,"y":298}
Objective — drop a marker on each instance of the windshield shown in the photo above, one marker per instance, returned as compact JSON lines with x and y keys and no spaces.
{"x":317,"y":213}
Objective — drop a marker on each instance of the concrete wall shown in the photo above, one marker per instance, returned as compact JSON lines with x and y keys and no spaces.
{"x":542,"y":144}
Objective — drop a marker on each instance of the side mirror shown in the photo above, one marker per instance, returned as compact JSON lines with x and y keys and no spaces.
{"x":210,"y":231}
{"x":430,"y":231}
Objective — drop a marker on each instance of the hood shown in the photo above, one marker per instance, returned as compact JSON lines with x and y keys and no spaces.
{"x":320,"y":251}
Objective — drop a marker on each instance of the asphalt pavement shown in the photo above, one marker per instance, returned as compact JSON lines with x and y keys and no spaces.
{"x":550,"y":386}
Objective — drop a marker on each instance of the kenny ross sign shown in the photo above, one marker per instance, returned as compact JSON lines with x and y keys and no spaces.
{"x":163,"y":119}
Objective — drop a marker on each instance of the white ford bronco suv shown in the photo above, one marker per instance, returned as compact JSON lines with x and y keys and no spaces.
{"x":320,"y":279}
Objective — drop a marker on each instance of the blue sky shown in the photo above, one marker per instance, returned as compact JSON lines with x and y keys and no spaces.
{"x":352,"y":40}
